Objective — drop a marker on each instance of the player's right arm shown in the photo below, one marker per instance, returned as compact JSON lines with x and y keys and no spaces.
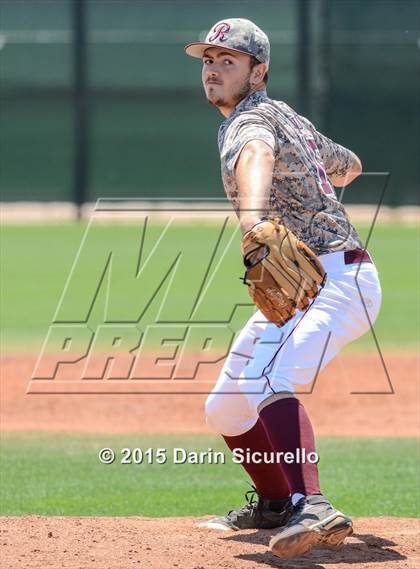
{"x":248,"y":155}
{"x":254,"y":176}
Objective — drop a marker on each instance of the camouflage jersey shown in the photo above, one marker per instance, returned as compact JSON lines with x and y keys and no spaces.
{"x":301,"y":192}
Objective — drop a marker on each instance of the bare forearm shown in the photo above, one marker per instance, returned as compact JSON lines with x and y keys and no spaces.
{"x":341,"y":164}
{"x":254,"y":175}
{"x":341,"y":179}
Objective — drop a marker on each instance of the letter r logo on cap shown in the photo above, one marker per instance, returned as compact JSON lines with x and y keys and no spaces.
{"x":219,"y":32}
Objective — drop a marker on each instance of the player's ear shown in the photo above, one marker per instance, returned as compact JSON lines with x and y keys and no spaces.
{"x":258,"y":73}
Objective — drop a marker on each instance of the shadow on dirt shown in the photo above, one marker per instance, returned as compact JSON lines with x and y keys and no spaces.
{"x":371,"y":549}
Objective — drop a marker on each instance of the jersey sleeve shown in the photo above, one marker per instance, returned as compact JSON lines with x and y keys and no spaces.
{"x":244,"y":129}
{"x":337,"y":159}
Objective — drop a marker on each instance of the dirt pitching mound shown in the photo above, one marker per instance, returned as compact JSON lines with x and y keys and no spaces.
{"x":352,"y":396}
{"x":119,"y":543}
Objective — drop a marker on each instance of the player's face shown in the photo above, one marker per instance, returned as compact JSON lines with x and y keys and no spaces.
{"x":227,"y":77}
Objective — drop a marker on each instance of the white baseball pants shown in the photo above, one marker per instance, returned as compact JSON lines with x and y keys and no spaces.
{"x":265,"y":359}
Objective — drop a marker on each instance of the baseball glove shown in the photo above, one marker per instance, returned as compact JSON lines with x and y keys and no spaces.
{"x":282,"y":273}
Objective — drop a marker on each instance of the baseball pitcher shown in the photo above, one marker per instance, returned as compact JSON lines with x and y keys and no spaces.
{"x":315,"y":287}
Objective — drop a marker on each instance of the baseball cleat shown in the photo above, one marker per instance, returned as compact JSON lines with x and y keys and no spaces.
{"x":256,"y":514}
{"x":313,"y":521}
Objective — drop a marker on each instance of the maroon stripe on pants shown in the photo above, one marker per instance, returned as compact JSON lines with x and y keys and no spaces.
{"x":269,"y":479}
{"x":289,"y":428}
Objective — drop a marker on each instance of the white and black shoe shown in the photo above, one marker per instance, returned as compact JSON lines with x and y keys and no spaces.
{"x":313,"y":521}
{"x":256,"y":514}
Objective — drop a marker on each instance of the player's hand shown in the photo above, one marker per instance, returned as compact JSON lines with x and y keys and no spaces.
{"x":247,"y":221}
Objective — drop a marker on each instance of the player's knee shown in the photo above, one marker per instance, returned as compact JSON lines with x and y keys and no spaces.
{"x":214,"y":412}
{"x":209,"y":407}
{"x":228,"y":414}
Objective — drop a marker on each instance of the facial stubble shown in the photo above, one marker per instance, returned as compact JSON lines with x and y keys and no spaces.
{"x":237,"y":97}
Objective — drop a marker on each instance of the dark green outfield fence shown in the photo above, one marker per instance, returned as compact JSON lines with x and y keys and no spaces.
{"x":150,"y":131}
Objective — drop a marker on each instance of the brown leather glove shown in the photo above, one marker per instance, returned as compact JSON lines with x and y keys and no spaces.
{"x":282,"y":273}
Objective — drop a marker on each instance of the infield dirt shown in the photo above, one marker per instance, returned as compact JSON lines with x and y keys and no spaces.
{"x":334,"y":407}
{"x":119,"y":543}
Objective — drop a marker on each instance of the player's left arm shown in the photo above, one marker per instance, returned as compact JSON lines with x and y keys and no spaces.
{"x":340,"y":181}
{"x":254,"y":176}
{"x":341,"y":164}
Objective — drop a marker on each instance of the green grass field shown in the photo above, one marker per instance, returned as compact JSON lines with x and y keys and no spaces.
{"x":62,"y":475}
{"x":37,"y":261}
